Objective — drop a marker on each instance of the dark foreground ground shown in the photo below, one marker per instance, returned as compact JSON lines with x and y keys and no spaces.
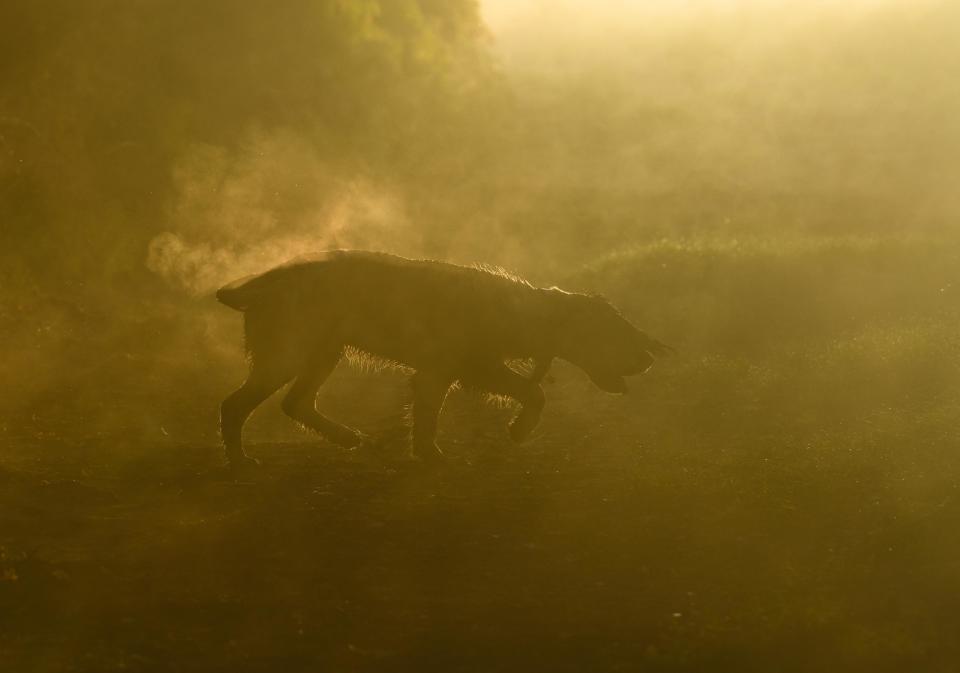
{"x":609,"y":543}
{"x":782,"y":496}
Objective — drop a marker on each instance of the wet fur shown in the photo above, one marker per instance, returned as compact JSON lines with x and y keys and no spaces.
{"x":444,"y":323}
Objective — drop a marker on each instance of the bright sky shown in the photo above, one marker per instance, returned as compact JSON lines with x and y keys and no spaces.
{"x":505,"y":14}
{"x":525,"y":30}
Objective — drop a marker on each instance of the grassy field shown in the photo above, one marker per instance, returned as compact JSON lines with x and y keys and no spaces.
{"x":782,"y":495}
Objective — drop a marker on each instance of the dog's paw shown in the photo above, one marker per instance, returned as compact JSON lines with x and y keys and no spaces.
{"x":427,"y":453}
{"x":354,"y":439}
{"x":242,"y":461}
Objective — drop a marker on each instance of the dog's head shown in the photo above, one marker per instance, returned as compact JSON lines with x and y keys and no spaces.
{"x":595,"y":337}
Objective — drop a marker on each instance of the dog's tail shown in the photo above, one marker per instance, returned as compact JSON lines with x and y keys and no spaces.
{"x":264,"y":289}
{"x":238,"y":294}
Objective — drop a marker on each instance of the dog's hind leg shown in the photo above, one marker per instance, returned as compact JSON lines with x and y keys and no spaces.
{"x":429,"y":391}
{"x":300,"y":402}
{"x":501,"y":380}
{"x":263,"y":381}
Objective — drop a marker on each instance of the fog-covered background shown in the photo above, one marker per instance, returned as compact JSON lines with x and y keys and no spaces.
{"x":153,"y":150}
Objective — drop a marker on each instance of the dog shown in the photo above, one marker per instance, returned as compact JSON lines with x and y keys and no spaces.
{"x":447,"y":323}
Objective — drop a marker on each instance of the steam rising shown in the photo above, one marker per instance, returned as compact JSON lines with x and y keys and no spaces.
{"x":275,"y":199}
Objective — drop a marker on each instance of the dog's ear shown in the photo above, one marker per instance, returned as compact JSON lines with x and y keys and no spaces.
{"x":608,"y":383}
{"x":655,"y":348}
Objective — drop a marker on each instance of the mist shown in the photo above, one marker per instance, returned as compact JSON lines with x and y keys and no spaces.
{"x":765,"y":185}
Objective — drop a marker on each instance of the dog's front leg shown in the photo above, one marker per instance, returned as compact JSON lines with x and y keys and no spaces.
{"x":429,"y":392}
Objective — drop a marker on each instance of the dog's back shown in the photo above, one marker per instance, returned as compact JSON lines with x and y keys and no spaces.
{"x":416,"y":312}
